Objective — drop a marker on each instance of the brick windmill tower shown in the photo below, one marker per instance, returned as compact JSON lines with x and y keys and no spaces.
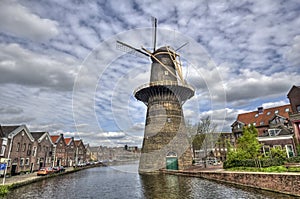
{"x":165,"y":143}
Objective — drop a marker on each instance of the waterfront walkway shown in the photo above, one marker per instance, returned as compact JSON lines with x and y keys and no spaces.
{"x":24,"y":178}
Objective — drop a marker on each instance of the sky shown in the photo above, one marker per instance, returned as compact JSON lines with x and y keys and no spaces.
{"x":61,"y":71}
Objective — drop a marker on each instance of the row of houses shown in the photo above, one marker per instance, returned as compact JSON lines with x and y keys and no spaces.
{"x":109,"y":154}
{"x":25,"y":151}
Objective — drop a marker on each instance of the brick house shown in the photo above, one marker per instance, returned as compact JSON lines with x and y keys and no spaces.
{"x":71,"y":151}
{"x":80,"y":152}
{"x":42,"y":151}
{"x":60,"y":146}
{"x":294,"y":97}
{"x":273,"y":125}
{"x":16,"y":149}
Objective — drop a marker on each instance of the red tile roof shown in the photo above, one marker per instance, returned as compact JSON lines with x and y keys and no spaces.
{"x":54,"y":138}
{"x":265,"y":116}
{"x":68,"y":140}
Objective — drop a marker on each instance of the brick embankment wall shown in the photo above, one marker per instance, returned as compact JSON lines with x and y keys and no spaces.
{"x":288,"y":183}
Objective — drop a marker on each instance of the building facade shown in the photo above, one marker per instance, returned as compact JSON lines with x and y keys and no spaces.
{"x":294,"y":98}
{"x":60,"y":155}
{"x":80,"y":155}
{"x":274,"y":128}
{"x":16,"y":149}
{"x":42,"y":150}
{"x":70,"y":151}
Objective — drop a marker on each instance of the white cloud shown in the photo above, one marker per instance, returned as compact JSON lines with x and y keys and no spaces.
{"x":17,"y":20}
{"x":22,"y":66}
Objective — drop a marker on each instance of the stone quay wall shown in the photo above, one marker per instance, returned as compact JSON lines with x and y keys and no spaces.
{"x":287,"y":183}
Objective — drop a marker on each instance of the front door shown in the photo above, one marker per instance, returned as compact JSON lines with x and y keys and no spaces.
{"x":172,"y":161}
{"x":14,"y":169}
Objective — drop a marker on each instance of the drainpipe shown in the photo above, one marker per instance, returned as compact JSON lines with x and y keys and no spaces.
{"x":8,"y":156}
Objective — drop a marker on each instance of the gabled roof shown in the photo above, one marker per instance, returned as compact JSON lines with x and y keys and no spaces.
{"x":293,"y":89}
{"x":283,"y":131}
{"x":78,"y":142}
{"x":68,"y":141}
{"x":54,"y":138}
{"x":37,"y":135}
{"x":5,"y":130}
{"x":265,"y":116}
{"x":11,"y":131}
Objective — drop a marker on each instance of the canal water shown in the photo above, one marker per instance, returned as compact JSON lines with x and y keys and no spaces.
{"x":124,"y":182}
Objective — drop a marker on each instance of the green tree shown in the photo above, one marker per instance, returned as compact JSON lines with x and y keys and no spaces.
{"x":248,"y":146}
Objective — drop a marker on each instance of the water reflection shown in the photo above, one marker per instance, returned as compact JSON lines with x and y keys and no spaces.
{"x":107,"y":182}
{"x":166,"y":186}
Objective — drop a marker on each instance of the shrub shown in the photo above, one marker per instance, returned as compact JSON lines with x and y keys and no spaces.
{"x":265,"y":162}
{"x":294,"y":159}
{"x":3,"y":190}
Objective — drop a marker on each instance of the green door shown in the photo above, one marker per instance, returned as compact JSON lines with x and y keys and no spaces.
{"x":172,"y":163}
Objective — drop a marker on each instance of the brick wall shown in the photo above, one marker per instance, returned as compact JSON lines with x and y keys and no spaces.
{"x":279,"y":182}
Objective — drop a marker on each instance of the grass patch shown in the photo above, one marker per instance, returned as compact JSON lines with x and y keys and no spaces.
{"x":276,"y":169}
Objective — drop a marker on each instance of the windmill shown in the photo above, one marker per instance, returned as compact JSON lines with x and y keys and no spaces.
{"x":165,"y":144}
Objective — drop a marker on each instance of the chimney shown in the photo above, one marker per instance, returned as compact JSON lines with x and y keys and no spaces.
{"x":260,"y":110}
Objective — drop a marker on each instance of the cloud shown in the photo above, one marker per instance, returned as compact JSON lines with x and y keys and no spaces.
{"x":17,"y":20}
{"x":241,"y":55}
{"x":293,"y":54}
{"x":22,"y":66}
{"x":10,"y":110}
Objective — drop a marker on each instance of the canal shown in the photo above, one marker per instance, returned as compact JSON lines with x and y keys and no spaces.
{"x":123,"y":181}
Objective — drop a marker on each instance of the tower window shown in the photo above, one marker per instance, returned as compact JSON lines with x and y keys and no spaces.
{"x":169,"y":119}
{"x":166,"y":72}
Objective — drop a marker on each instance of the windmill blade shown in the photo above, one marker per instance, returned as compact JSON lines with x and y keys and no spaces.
{"x":183,"y":45}
{"x":129,"y":49}
{"x":154,"y":32}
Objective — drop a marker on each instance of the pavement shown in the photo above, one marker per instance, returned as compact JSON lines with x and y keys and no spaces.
{"x":24,"y":177}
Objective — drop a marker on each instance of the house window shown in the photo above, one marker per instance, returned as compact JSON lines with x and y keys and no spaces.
{"x":22,"y":162}
{"x":266,"y":150}
{"x":254,"y":123}
{"x":273,"y":132}
{"x":34,"y":151}
{"x":2,"y":150}
{"x":18,"y":146}
{"x":29,"y":149}
{"x":38,"y":160}
{"x":256,"y":115}
{"x":24,"y":147}
{"x":276,"y":111}
{"x":169,"y":119}
{"x":287,"y":110}
{"x":27,"y":161}
{"x":261,"y":123}
{"x":268,"y":113}
{"x":289,"y":150}
{"x":298,"y":108}
{"x":166,"y":72}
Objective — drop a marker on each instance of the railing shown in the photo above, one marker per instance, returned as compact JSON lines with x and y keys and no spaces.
{"x":162,"y":83}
